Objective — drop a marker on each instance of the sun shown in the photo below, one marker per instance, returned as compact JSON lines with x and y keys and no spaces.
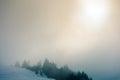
{"x":92,"y":13}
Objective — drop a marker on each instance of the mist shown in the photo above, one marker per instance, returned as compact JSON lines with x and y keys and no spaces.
{"x":38,"y":29}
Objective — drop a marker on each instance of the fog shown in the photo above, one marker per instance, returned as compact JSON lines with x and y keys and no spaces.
{"x":37,"y":29}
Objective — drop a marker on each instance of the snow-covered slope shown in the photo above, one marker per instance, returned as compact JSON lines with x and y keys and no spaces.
{"x":13,"y":73}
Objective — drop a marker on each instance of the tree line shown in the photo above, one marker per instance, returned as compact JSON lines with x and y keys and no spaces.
{"x":50,"y":70}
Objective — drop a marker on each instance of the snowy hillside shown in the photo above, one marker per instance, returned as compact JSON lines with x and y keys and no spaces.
{"x":13,"y":73}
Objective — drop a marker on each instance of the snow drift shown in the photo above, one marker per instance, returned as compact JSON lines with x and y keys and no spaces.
{"x":13,"y":73}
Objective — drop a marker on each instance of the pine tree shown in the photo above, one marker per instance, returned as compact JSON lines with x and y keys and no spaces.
{"x":17,"y":64}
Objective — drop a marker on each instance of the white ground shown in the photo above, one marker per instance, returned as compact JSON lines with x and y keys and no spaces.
{"x":13,"y":73}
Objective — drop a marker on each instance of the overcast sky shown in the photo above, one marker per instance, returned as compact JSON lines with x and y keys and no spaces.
{"x":38,"y":29}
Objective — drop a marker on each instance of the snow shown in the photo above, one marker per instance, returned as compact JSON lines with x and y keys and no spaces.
{"x":13,"y":73}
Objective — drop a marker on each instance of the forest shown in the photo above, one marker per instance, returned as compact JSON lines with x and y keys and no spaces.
{"x":50,"y":70}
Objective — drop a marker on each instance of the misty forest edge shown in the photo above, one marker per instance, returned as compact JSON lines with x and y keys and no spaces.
{"x":50,"y":70}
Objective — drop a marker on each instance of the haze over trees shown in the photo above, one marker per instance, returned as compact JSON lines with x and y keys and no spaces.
{"x":50,"y":70}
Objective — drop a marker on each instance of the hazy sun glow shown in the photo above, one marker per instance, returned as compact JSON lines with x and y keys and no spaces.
{"x":93,"y":13}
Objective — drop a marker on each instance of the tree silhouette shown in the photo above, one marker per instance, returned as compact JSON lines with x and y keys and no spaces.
{"x":17,"y":64}
{"x":52,"y":71}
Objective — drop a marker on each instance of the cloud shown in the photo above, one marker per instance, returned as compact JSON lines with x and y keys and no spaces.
{"x":42,"y":29}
